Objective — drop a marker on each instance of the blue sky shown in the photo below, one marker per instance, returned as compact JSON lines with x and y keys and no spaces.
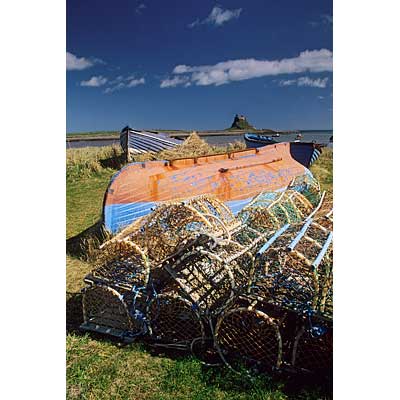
{"x":191,"y":64}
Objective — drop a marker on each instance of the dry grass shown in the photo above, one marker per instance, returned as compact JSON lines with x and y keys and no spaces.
{"x":194,"y":146}
{"x":323,"y":170}
{"x":88,"y":161}
{"x":84,"y":155}
{"x":76,"y":271}
{"x":83,"y":162}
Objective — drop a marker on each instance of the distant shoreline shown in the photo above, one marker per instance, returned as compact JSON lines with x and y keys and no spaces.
{"x":110,"y":135}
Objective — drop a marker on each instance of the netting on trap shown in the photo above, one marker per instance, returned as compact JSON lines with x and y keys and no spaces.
{"x":249,"y":337}
{"x":122,"y":264}
{"x":105,"y":307}
{"x":216,"y":269}
{"x":324,"y":214}
{"x":173,"y":320}
{"x":116,"y":312}
{"x":313,"y":346}
{"x":172,"y":225}
{"x":308,"y":186}
{"x":294,"y":268}
{"x":203,"y":277}
{"x":270,"y":211}
{"x":218,"y":213}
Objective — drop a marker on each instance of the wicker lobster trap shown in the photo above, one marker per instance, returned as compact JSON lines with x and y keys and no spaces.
{"x":115,"y":298}
{"x":174,"y":224}
{"x":252,"y":289}
{"x":269,"y":211}
{"x":312,"y":348}
{"x":173,"y":320}
{"x":246,"y":334}
{"x":260,"y":336}
{"x":285,"y":317}
{"x":295,"y":270}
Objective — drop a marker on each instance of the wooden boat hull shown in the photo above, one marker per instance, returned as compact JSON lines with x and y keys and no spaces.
{"x":235,"y":178}
{"x":305,"y":153}
{"x":141,"y":141}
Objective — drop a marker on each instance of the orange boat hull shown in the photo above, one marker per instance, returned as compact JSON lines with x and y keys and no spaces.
{"x":234,"y":178}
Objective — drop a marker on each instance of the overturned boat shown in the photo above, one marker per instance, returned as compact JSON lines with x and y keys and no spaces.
{"x":234,"y":178}
{"x":305,"y":153}
{"x":136,"y":142}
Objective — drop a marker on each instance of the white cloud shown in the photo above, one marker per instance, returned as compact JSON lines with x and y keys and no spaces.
{"x":175,"y":81}
{"x":117,"y":79}
{"x":121,"y":82}
{"x":76,"y":63}
{"x":324,"y":19}
{"x":111,"y":89}
{"x":135,"y":82}
{"x":305,"y":81}
{"x":139,"y":8}
{"x":238,"y":70}
{"x":95,"y":81}
{"x":288,"y":82}
{"x":218,"y":16}
{"x":318,"y":83}
{"x":79,"y":63}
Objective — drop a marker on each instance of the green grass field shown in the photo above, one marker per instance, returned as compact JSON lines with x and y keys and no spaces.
{"x":74,"y":135}
{"x":99,"y":368}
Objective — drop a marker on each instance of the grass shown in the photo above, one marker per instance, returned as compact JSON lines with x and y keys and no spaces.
{"x":99,"y":368}
{"x":74,"y":135}
{"x":322,"y":170}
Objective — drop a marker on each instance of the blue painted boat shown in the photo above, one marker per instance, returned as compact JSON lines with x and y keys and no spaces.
{"x":306,"y":153}
{"x":136,"y":142}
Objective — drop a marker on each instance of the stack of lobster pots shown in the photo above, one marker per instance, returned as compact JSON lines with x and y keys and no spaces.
{"x":251,"y":290}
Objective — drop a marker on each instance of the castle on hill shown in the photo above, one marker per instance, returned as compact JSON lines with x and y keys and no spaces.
{"x":240,"y":122}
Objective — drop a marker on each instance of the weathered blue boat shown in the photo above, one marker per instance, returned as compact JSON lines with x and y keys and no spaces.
{"x":234,"y":178}
{"x":136,"y":142}
{"x":306,"y":153}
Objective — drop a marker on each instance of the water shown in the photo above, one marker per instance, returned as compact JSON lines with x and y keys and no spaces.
{"x":308,"y":136}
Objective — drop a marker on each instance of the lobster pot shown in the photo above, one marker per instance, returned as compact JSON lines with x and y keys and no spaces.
{"x":308,"y":186}
{"x":211,"y":274}
{"x":114,"y":302}
{"x":244,"y":334}
{"x":291,"y":291}
{"x":325,"y":221}
{"x":123,"y":264}
{"x":219,"y":215}
{"x":173,"y":319}
{"x":313,"y":347}
{"x":106,"y":311}
{"x":324,"y":215}
{"x":297,"y":267}
{"x":247,"y":236}
{"x":266,"y":213}
{"x":172,"y":225}
{"x":239,"y":262}
{"x":326,"y":309}
{"x":206,"y":281}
